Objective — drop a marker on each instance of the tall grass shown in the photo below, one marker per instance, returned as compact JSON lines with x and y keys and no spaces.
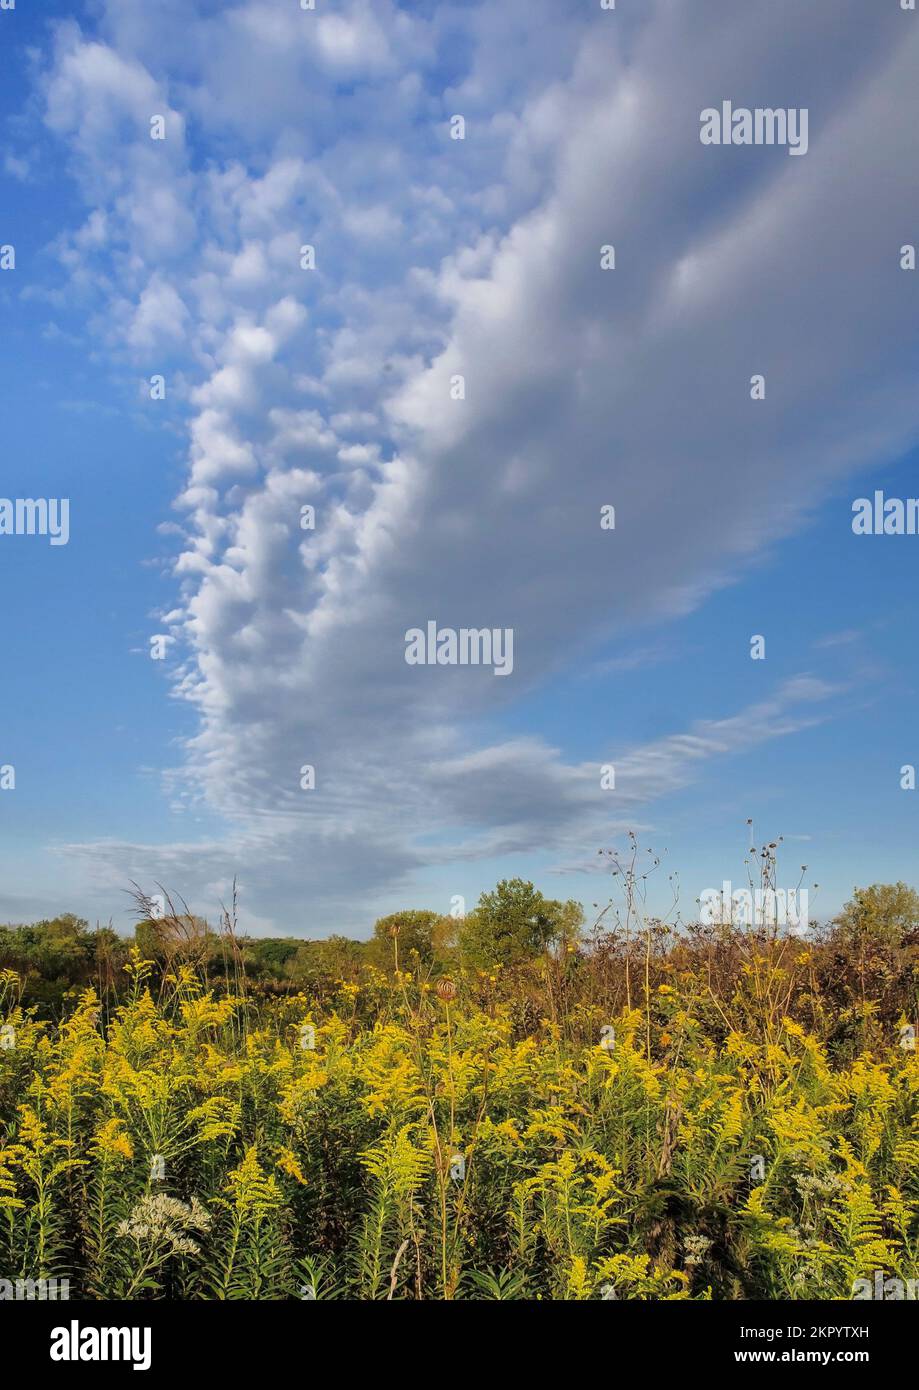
{"x":753,"y":1131}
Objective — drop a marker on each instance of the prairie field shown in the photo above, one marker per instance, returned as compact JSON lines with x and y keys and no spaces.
{"x":707,"y":1114}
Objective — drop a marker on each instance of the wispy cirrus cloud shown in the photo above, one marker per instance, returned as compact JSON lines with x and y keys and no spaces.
{"x":519,"y":794}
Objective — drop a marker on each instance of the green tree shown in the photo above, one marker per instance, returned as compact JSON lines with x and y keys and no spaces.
{"x":883,"y":915}
{"x":320,"y":962}
{"x":515,"y":923}
{"x":420,"y":936}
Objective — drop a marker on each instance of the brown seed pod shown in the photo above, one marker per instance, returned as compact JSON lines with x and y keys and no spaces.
{"x":446,"y":989}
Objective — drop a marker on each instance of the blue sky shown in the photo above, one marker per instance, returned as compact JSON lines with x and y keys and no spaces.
{"x":332,"y":387}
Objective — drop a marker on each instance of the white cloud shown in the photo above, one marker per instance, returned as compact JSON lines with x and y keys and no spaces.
{"x":17,"y":168}
{"x":159,"y":318}
{"x":583,"y":387}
